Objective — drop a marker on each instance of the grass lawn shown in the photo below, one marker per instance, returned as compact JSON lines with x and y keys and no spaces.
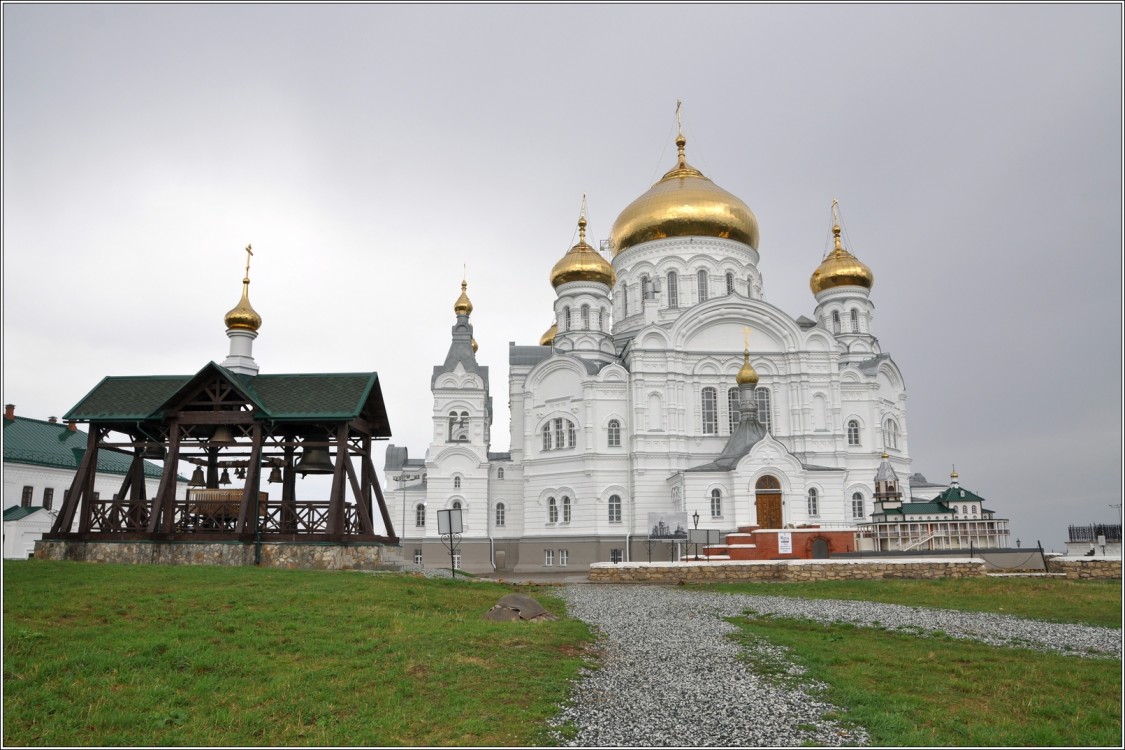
{"x":1052,"y":599}
{"x":938,"y":691}
{"x":154,"y":655}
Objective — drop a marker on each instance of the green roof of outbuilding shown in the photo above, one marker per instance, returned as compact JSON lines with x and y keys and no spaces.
{"x":16,"y":513}
{"x":34,"y":441}
{"x":958,"y":495}
{"x":932,"y":508}
{"x":293,"y":397}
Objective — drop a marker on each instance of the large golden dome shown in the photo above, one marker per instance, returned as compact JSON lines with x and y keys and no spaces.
{"x":582,"y":263}
{"x":242,"y":316}
{"x":684,"y":203}
{"x":840,"y":268}
{"x":463,"y":306}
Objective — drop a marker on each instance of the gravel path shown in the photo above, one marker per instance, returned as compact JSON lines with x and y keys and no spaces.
{"x":670,"y":676}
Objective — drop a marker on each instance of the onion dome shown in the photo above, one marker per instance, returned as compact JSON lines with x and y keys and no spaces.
{"x":475,"y":347}
{"x":684,"y":203}
{"x":548,"y":336}
{"x":242,"y":316}
{"x":747,"y":375}
{"x":582,"y":262}
{"x":463,"y":306}
{"x":840,"y":268}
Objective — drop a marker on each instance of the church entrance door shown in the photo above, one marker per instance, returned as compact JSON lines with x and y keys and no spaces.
{"x":767,"y":494}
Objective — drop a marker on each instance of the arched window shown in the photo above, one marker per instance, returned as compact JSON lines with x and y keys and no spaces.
{"x":857,"y":505}
{"x":552,"y":510}
{"x":701,"y":285}
{"x":615,"y":509}
{"x":732,"y":407}
{"x":547,"y":436}
{"x":890,"y":434}
{"x":571,"y":437}
{"x":456,"y":481}
{"x":499,"y":514}
{"x":420,"y":515}
{"x":598,"y":320}
{"x":855,"y":321}
{"x":814,"y":502}
{"x":458,"y":427}
{"x":673,"y":289}
{"x":586,"y":317}
{"x":624,"y":300}
{"x":709,"y":410}
{"x":560,"y":435}
{"x":566,"y":509}
{"x":500,"y":473}
{"x":456,"y":505}
{"x":730,"y":283}
{"x":749,"y":285}
{"x":566,"y":318}
{"x":716,"y":503}
{"x":835,"y":321}
{"x":452,"y":425}
{"x":853,"y":432}
{"x":613,"y":434}
{"x":965,"y":510}
{"x":646,"y":287}
{"x":765,"y":409}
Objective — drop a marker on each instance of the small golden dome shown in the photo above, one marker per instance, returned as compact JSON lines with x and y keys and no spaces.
{"x":463,"y":306}
{"x":746,"y":375}
{"x":582,"y":263}
{"x":242,"y":316}
{"x":684,"y":203}
{"x":840,"y":268}
{"x":474,"y":346}
{"x":548,"y":337}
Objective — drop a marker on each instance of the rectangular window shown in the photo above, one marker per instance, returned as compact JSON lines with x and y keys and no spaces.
{"x":615,"y":556}
{"x":673,"y":289}
{"x":25,"y":500}
{"x":48,"y":497}
{"x":559,"y":434}
{"x":417,"y":556}
{"x":857,"y":507}
{"x":564,"y":557}
{"x":548,"y":557}
{"x":733,"y":402}
{"x":710,"y":412}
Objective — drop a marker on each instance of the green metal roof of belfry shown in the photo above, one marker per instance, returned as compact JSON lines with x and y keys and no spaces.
{"x":34,"y":441}
{"x":296,"y":397}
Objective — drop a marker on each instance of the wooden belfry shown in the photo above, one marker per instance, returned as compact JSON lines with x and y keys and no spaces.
{"x":219,"y":420}
{"x":268,"y":428}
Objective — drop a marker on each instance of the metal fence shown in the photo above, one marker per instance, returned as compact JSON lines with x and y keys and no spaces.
{"x":1090,"y":533}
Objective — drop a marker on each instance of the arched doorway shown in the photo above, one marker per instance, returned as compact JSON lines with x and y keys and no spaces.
{"x":767,"y":494}
{"x":820,"y":548}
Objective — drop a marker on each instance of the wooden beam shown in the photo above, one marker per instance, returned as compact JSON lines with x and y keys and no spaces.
{"x":382,"y":501}
{"x":86,"y":508}
{"x":164,"y":501}
{"x":65,"y":518}
{"x":249,"y":495}
{"x":336,"y":499}
{"x":365,"y":526}
{"x":215,"y":417}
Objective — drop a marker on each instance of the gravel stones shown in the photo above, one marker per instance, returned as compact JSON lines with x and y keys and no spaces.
{"x":670,"y":676}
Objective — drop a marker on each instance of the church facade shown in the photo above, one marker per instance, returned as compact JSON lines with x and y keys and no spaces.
{"x":667,"y":385}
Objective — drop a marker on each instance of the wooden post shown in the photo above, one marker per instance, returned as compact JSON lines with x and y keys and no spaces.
{"x":88,"y":488}
{"x":336,"y":500}
{"x":382,"y":501}
{"x":65,"y":519}
{"x":163,"y":506}
{"x":365,"y":526}
{"x":249,"y":509}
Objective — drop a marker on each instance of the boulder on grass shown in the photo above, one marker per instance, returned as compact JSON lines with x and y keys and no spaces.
{"x":514,"y":607}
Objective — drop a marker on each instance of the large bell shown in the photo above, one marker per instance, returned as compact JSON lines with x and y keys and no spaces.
{"x":222,"y":437}
{"x":154,"y":451}
{"x":314,"y":461}
{"x":197,"y":479}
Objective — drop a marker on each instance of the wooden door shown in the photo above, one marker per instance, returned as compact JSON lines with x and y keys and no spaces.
{"x":769,"y":510}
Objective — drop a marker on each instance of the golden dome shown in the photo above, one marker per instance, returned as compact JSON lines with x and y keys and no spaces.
{"x":840,"y":268}
{"x":475,"y":346}
{"x":746,"y":375}
{"x":582,"y":263}
{"x":548,"y":337}
{"x":463,"y":306}
{"x":242,"y":316}
{"x":684,"y":203}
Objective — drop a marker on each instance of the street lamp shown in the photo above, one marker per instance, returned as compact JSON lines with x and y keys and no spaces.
{"x":695,"y":517}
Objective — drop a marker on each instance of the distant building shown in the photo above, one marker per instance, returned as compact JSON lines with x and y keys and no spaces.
{"x":40,"y":460}
{"x":1096,"y":539}
{"x":955,"y":519}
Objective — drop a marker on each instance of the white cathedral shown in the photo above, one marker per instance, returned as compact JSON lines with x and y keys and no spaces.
{"x":667,"y":384}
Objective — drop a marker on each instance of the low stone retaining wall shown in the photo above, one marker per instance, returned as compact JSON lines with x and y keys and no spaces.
{"x":789,"y":570}
{"x":322,"y":556}
{"x":1086,"y":568}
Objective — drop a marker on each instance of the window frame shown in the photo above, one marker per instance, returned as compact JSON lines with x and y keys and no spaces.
{"x":709,"y":412}
{"x":734,"y":405}
{"x":853,"y":432}
{"x":566,"y":508}
{"x":614,"y":508}
{"x":701,"y":281}
{"x":420,"y":516}
{"x":613,"y":434}
{"x":548,"y":558}
{"x":552,"y":510}
{"x":859,"y":504}
{"x":716,"y":503}
{"x":673,"y":289}
{"x":501,"y":513}
{"x":813,"y":497}
{"x":564,"y":558}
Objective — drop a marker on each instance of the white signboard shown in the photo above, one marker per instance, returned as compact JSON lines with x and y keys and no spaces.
{"x":785,"y":542}
{"x":449,"y":521}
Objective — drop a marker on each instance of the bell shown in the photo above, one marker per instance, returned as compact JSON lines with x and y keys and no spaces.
{"x":275,"y":476}
{"x":241,"y":473}
{"x":154,"y":451}
{"x":197,"y":479}
{"x":314,"y":461}
{"x":223,"y":436}
{"x":225,"y":478}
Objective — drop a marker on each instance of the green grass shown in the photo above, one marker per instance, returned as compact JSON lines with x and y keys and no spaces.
{"x":938,"y":691}
{"x":153,"y":655}
{"x":1052,"y":599}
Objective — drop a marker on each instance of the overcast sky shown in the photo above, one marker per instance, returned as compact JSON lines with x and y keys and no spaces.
{"x":370,"y":153}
